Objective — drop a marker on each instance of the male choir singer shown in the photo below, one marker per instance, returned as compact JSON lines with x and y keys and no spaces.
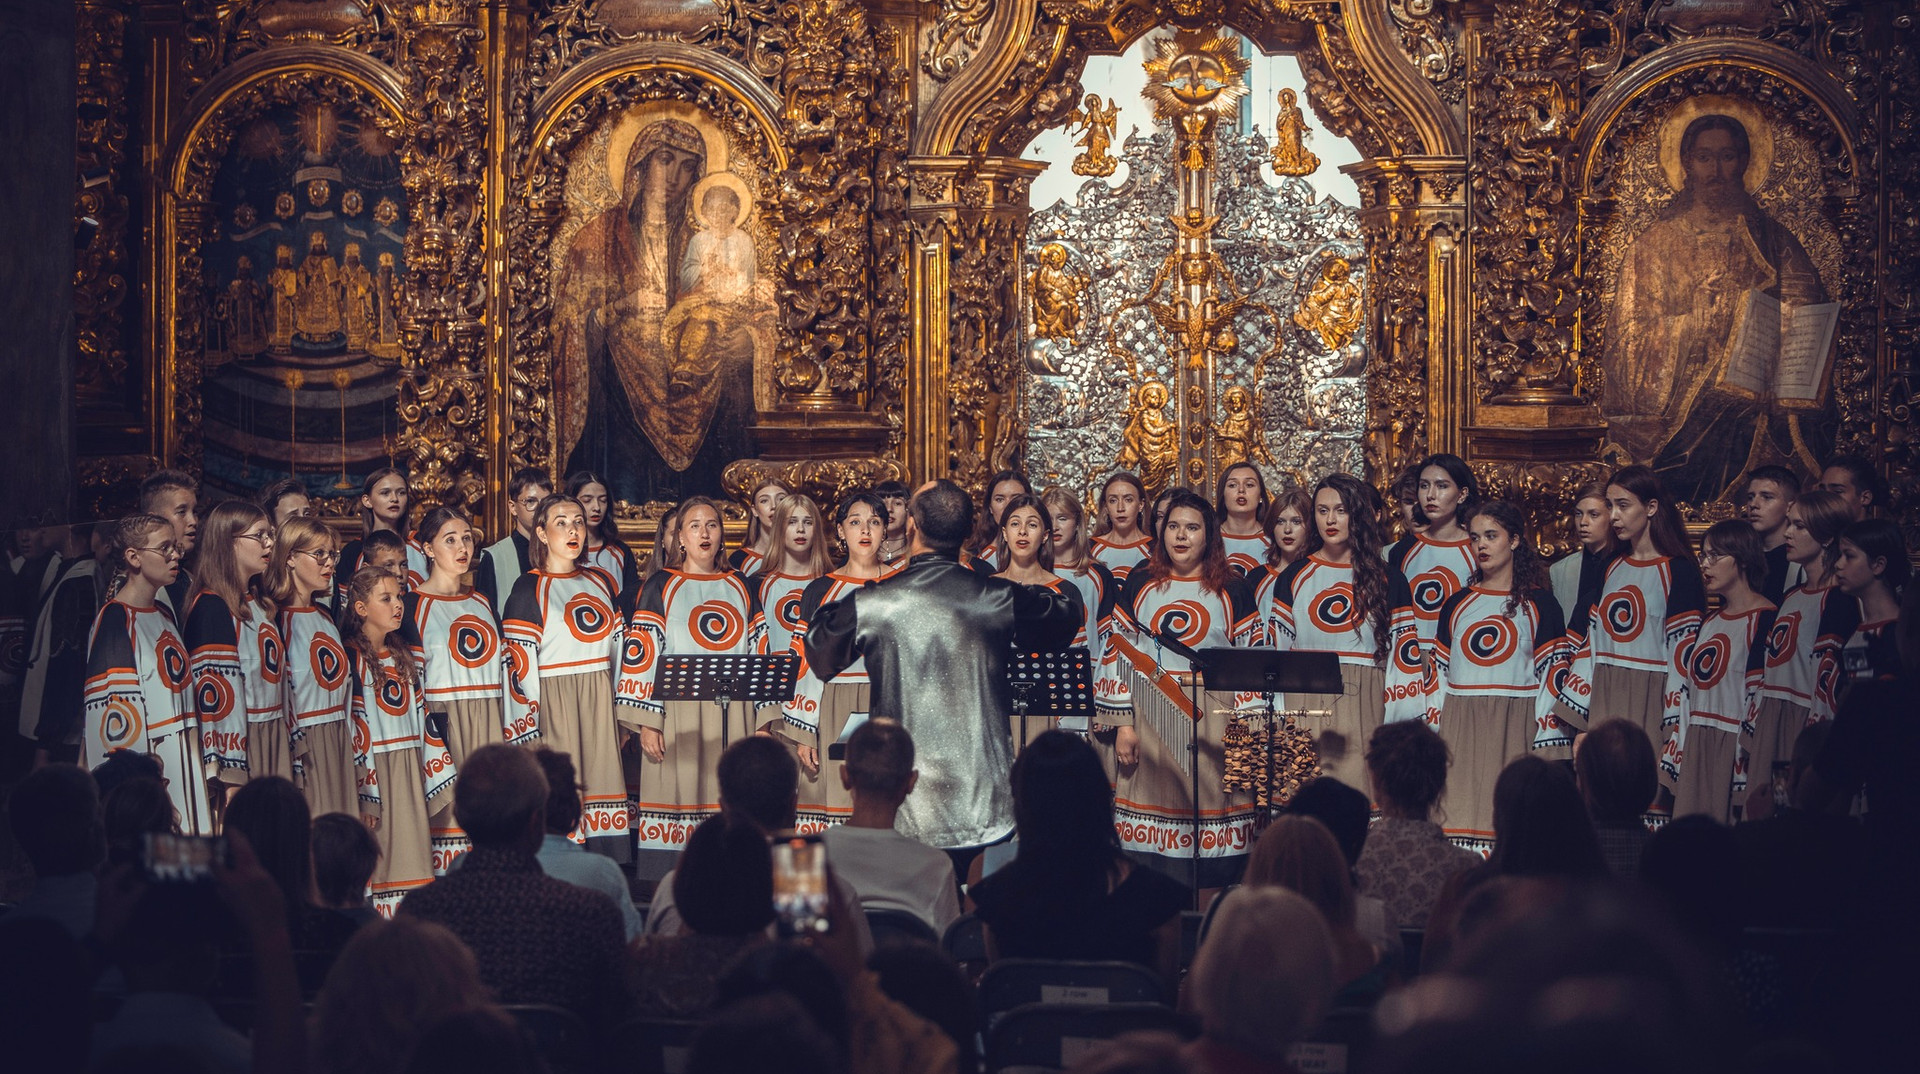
{"x":936,"y":637}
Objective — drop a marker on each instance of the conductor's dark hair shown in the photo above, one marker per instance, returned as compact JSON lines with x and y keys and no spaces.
{"x":943,"y":512}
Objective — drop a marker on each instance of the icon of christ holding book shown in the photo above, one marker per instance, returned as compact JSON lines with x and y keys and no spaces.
{"x":1722,"y":332}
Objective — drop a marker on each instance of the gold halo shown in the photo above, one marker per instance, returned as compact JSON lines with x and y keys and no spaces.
{"x":629,"y":126}
{"x":731,"y":182}
{"x":1759,"y":137}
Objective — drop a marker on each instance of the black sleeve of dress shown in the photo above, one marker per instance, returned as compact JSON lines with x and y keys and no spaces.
{"x":1552,"y":623}
{"x":1240,"y":599}
{"x":1045,"y":620}
{"x":1757,"y":651}
{"x":210,"y":622}
{"x":813,"y":595}
{"x":410,"y":620}
{"x":735,"y":558}
{"x":63,"y":703}
{"x":831,"y":644}
{"x":629,"y":595}
{"x":1129,"y":595}
{"x":1398,"y":552}
{"x":523,"y":604}
{"x":1109,"y":591}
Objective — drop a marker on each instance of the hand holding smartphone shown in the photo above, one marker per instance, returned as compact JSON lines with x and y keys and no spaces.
{"x":800,"y":898}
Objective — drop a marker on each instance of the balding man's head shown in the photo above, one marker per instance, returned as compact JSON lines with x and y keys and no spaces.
{"x":941,"y":515}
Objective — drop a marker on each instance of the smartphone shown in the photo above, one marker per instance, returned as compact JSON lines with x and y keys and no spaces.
{"x":800,"y":885}
{"x":181,"y":859}
{"x":1780,"y":799}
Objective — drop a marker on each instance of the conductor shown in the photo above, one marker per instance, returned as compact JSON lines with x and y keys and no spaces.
{"x":936,"y":637}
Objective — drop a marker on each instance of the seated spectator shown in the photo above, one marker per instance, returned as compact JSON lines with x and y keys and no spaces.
{"x":724,"y":879}
{"x":1693,"y":864}
{"x":926,"y":981}
{"x":474,"y":1040}
{"x":272,"y":814}
{"x":1263,"y":978}
{"x":169,"y":952}
{"x":1348,"y":815}
{"x":1070,"y":893}
{"x":123,"y":765}
{"x":564,"y":859}
{"x":764,"y":1033}
{"x":536,"y":939}
{"x":46,"y":978}
{"x":843,"y":999}
{"x":135,"y":808}
{"x":1803,"y":864}
{"x":760,"y":783}
{"x":1299,"y":854}
{"x":1140,"y":1053}
{"x":344,"y":856}
{"x":394,"y":981}
{"x":1618,"y":775}
{"x":1408,"y":857}
{"x":55,"y":820}
{"x":887,"y":869}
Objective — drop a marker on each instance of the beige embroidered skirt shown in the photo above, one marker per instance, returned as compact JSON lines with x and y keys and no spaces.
{"x":1484,"y":733}
{"x":327,"y":769}
{"x":1706,"y":774}
{"x":823,"y":800}
{"x":472,"y":722}
{"x":406,"y":830}
{"x":576,"y":718}
{"x":269,"y":750}
{"x":1777,"y":723}
{"x":1341,"y":739}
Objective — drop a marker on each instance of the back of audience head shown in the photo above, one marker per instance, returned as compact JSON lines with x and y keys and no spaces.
{"x":1694,"y":862}
{"x":1408,"y":763}
{"x":500,"y":798}
{"x":1344,"y":810}
{"x":45,"y":986}
{"x":879,"y":761}
{"x":924,"y":979}
{"x":723,"y":880}
{"x":1063,"y":813}
{"x":1265,"y":975}
{"x":563,"y":790}
{"x":123,"y":765}
{"x":760,"y":781}
{"x":1300,"y":854}
{"x":770,"y":1032}
{"x":478,"y":1040}
{"x":1540,"y":825}
{"x":344,"y":857}
{"x":1137,"y":1053}
{"x":54,"y":814}
{"x":272,"y":814}
{"x":392,"y":981}
{"x":136,"y":808}
{"x":1617,"y":772}
{"x":795,"y":972}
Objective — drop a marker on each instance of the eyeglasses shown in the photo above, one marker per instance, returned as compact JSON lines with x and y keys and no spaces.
{"x":322,"y":558}
{"x":264,"y":537}
{"x":165,"y":551}
{"x":1713,"y":557}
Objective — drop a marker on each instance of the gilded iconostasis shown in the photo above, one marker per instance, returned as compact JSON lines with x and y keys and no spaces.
{"x":690,"y":243}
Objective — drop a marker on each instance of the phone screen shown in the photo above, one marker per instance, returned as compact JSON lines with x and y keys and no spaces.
{"x":181,"y":859}
{"x":1780,"y":797}
{"x":800,"y":885}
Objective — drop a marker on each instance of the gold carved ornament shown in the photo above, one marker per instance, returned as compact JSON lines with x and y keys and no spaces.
{"x":1056,"y":294}
{"x":1290,"y":153}
{"x":1096,"y":124}
{"x":1150,"y":446}
{"x":1333,"y":308}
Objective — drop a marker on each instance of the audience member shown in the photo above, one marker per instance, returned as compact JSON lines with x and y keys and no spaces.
{"x":1140,"y":1053}
{"x":1617,"y":775}
{"x":765,"y":1033}
{"x":394,"y":980}
{"x":562,"y":858}
{"x":1802,"y":864}
{"x":123,"y":765}
{"x":1263,"y":978}
{"x":724,"y":879}
{"x":46,"y":978}
{"x":759,"y":783}
{"x":168,"y":949}
{"x":1299,"y":854}
{"x":1407,"y":857}
{"x":1070,"y":893}
{"x":887,"y":869}
{"x":1348,"y":814}
{"x":536,"y":939}
{"x":272,"y":813}
{"x":344,"y":856}
{"x":478,"y":1040}
{"x":55,"y":820}
{"x":923,"y":979}
{"x":1693,"y":864}
{"x":133,"y":810}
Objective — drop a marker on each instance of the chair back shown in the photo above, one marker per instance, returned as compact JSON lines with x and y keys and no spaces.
{"x":1337,"y":1045}
{"x":653,"y":1046}
{"x":1041,"y":1037}
{"x":1013,"y":982}
{"x":895,"y":926}
{"x":560,"y":1036}
{"x":966,"y":939}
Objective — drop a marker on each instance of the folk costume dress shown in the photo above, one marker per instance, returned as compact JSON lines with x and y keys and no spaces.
{"x":240,"y":688}
{"x":1310,"y":606}
{"x":406,"y":776}
{"x":696,"y":614}
{"x":1704,"y":758}
{"x":564,"y":643}
{"x":319,"y":695}
{"x":1038,"y":721}
{"x":617,"y":561}
{"x":1247,"y":554}
{"x":779,"y":596}
{"x":1120,"y":558}
{"x":820,"y":712}
{"x":1872,"y":652}
{"x":1434,"y":570}
{"x":747,"y":562}
{"x":1112,"y":676}
{"x":465,"y":670}
{"x":53,"y":697}
{"x":1153,"y":804}
{"x":1577,"y":578}
{"x":1799,"y":678}
{"x":1485,"y":696}
{"x":1627,"y":645}
{"x":138,"y":697}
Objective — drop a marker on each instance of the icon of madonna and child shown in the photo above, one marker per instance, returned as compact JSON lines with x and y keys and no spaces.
{"x":660,"y":317}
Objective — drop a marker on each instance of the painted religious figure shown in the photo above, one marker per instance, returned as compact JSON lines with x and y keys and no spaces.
{"x":242,"y":312}
{"x":1150,"y":445}
{"x":1056,"y":295}
{"x":660,"y":311}
{"x":316,"y":317}
{"x":356,"y":299}
{"x":284,"y":285}
{"x":1721,"y":328}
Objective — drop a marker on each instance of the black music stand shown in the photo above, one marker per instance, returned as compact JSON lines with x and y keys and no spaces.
{"x":1057,"y":684}
{"x":1269,"y":672}
{"x":726,"y":678}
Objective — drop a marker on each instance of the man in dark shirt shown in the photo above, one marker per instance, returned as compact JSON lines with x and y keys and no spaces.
{"x":537,"y":939}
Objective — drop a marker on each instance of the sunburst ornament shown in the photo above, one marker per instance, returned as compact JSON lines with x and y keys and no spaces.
{"x":1197,"y":71}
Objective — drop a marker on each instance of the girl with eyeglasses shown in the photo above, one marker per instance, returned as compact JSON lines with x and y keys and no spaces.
{"x":1704,"y":758}
{"x":299,"y":579}
{"x":137,"y":693}
{"x":236,"y":648}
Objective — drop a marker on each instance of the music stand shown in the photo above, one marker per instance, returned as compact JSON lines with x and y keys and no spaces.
{"x":1269,"y":672}
{"x":1057,"y":683}
{"x":726,"y":678}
